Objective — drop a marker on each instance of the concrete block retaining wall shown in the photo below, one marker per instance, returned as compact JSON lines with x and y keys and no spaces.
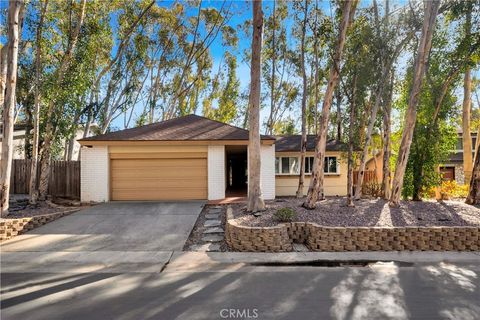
{"x":10,"y":228}
{"x":319,"y":238}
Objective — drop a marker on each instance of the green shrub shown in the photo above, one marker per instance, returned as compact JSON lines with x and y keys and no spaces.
{"x":285,"y":215}
{"x":373,"y":189}
{"x":450,"y":189}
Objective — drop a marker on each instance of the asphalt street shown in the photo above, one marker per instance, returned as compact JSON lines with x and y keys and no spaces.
{"x":435,"y":290}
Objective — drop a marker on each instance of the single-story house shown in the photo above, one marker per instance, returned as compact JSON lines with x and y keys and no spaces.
{"x":192,"y":157}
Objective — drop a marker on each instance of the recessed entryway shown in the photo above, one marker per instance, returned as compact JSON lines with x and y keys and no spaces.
{"x":236,"y":171}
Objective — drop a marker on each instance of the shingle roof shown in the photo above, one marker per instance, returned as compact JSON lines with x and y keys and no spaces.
{"x":455,"y":157}
{"x":190,"y":127}
{"x":292,"y":143}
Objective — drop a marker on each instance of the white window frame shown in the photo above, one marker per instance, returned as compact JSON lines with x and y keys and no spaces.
{"x":278,"y":166}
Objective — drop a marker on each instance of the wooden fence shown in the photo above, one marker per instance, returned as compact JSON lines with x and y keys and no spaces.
{"x":64,"y":180}
{"x":369,"y":176}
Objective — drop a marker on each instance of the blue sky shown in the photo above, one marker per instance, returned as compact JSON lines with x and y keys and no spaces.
{"x":243,"y":12}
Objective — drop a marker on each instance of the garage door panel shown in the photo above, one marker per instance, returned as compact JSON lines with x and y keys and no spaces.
{"x":166,"y":194}
{"x":157,"y":183}
{"x":157,"y":163}
{"x":158,"y":179}
{"x":156,"y":174}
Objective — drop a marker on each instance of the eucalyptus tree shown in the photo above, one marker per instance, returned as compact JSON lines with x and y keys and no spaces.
{"x":255,"y":201}
{"x":192,"y":67}
{"x":421,"y":60}
{"x":356,"y":83}
{"x":303,"y":141}
{"x":386,"y":49}
{"x":454,"y":51}
{"x":316,"y":180}
{"x":278,"y":69}
{"x":13,"y":34}
{"x":59,"y":75}
{"x":33,"y":193}
{"x":225,"y":85}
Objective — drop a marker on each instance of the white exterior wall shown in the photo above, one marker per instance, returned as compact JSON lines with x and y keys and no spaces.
{"x":216,"y":172}
{"x":267,"y":172}
{"x":94,"y":174}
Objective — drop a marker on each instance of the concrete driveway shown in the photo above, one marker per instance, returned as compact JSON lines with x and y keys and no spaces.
{"x":115,"y":232}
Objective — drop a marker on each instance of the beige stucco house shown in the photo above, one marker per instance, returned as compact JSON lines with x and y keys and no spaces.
{"x":193,"y":157}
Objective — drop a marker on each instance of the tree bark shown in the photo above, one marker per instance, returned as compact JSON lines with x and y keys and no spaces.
{"x":14,"y":9}
{"x":303,"y":142}
{"x":255,"y":200}
{"x":60,"y":74}
{"x":466,"y":126}
{"x":421,"y":60}
{"x":316,"y":180}
{"x":33,"y":192}
{"x":387,"y":142}
{"x":3,"y":73}
{"x":339,"y":115}
{"x":466,"y":115}
{"x":272,"y":89}
{"x":351,"y":130}
{"x":474,"y":192}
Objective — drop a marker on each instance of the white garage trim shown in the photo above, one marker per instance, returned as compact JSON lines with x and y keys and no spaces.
{"x":216,"y":172}
{"x":94,"y":174}
{"x":267,"y":172}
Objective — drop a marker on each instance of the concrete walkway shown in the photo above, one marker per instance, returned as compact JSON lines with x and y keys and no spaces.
{"x":132,"y":236}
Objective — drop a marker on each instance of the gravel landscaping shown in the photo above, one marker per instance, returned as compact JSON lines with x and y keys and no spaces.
{"x":20,"y":208}
{"x":367,"y":212}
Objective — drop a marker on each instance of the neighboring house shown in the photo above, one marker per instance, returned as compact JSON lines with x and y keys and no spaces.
{"x":19,"y":132}
{"x":375,"y":165}
{"x":193,"y":157}
{"x":453,"y":168}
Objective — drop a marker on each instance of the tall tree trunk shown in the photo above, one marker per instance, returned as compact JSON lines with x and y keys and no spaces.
{"x":33,"y":192}
{"x":255,"y":200}
{"x":351,"y":129}
{"x":3,"y":73}
{"x":272,"y":89}
{"x":14,"y":9}
{"x":303,"y":142}
{"x":466,"y":127}
{"x":466,"y":115}
{"x":474,"y":192}
{"x":316,"y":180}
{"x":387,"y":142}
{"x":60,"y":74}
{"x":421,"y":60}
{"x":339,"y":114}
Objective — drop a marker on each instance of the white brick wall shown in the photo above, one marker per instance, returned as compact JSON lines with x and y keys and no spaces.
{"x":267,"y":172}
{"x":94,"y":174}
{"x":216,"y":172}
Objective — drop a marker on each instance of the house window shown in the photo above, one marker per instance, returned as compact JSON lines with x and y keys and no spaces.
{"x":291,"y":165}
{"x":308,"y":164}
{"x":330,"y":165}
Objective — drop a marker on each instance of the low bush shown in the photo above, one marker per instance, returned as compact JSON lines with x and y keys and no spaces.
{"x":285,"y":215}
{"x":451,"y":189}
{"x":373,"y":189}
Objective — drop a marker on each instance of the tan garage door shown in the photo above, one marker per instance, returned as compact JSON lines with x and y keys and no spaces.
{"x":159,"y":179}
